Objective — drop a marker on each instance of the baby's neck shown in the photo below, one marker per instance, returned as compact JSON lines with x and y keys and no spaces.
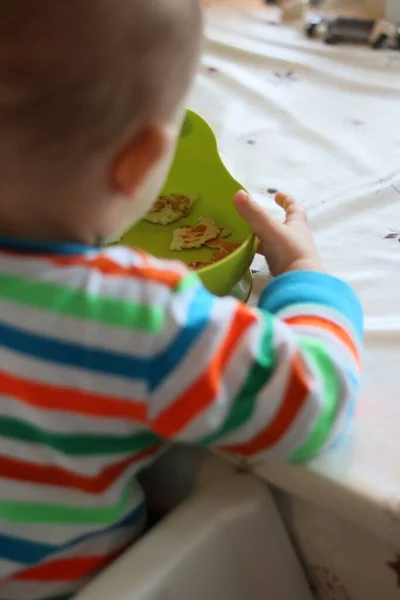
{"x":32,"y":225}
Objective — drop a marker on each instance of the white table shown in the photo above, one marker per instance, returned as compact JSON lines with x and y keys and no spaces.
{"x":324,"y":124}
{"x":393,"y":10}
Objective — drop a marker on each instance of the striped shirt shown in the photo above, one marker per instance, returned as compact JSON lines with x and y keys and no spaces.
{"x":106,"y":354}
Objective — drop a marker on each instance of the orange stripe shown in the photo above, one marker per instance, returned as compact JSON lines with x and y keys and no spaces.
{"x":203,"y":392}
{"x":295,"y":398}
{"x":143,"y":255}
{"x":68,"y":569}
{"x":329,"y":326}
{"x":109,"y":267}
{"x":19,"y":470}
{"x":55,"y":398}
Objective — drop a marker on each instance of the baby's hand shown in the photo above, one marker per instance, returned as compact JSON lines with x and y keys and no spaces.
{"x":287,"y":246}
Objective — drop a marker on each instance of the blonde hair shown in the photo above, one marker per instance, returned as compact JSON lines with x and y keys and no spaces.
{"x":74,"y":74}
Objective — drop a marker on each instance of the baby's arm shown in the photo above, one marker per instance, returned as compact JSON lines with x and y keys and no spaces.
{"x":276,"y":382}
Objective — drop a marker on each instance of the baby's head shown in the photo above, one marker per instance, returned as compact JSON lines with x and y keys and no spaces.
{"x":91,"y":102}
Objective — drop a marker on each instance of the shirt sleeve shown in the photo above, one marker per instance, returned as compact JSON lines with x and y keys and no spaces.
{"x":276,"y":382}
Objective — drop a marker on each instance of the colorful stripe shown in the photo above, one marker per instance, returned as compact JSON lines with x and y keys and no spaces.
{"x":85,"y":306}
{"x":63,"y":399}
{"x":245,"y":402}
{"x":19,"y":470}
{"x":322,"y":428}
{"x":329,"y":327}
{"x":47,"y":513}
{"x":198,"y":397}
{"x":71,"y":354}
{"x":142,"y":353}
{"x":29,"y":247}
{"x":29,"y":552}
{"x":75,"y":444}
{"x":294,"y":400}
{"x":108,"y":267}
{"x":316,"y":288}
{"x":194,"y":323}
{"x":67,"y":569}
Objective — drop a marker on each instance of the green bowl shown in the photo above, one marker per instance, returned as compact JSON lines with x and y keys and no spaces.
{"x":198,"y":169}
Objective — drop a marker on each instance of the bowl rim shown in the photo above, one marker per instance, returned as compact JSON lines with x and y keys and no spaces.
{"x":251,"y":239}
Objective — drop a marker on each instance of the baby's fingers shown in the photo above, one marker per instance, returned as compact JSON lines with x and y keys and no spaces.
{"x":262,"y":223}
{"x":295,"y":212}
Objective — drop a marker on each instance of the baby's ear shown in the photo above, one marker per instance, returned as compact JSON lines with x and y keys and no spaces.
{"x":137,"y":158}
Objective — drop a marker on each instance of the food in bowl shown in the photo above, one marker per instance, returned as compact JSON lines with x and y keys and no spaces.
{"x":196,"y":266}
{"x":198,"y":169}
{"x":168,"y":209}
{"x":194,"y":236}
{"x":222,"y":247}
{"x":204,"y":234}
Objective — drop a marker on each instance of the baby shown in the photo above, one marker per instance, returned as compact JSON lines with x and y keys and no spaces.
{"x":107,"y":353}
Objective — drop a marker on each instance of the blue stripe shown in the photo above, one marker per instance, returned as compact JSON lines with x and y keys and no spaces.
{"x":29,"y":553}
{"x":112,"y":363}
{"x":348,"y":413}
{"x":38,"y":247}
{"x":196,"y":322}
{"x":316,"y":288}
{"x":73,"y":355}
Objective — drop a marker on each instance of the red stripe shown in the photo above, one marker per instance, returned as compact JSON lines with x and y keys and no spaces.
{"x":203,"y":392}
{"x":62,"y":399}
{"x":109,"y":267}
{"x":327,"y":325}
{"x":295,"y":398}
{"x":20,"y":470}
{"x":68,"y":569}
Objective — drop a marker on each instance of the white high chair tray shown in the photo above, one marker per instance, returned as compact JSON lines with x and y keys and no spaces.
{"x":224,"y":542}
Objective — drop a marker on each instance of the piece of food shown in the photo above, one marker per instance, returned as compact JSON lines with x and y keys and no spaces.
{"x":222,"y":245}
{"x":219,"y":241}
{"x":222,"y":248}
{"x":194,"y":236}
{"x":220,"y":254}
{"x":225,"y":233}
{"x":169,"y":209}
{"x":195,"y":266}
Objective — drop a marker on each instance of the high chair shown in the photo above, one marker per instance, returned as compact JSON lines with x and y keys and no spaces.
{"x":222,"y":539}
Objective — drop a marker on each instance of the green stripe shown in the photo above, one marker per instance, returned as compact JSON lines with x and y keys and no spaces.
{"x":47,"y":513}
{"x":245,"y":402}
{"x":76,"y":444}
{"x":187,"y":282}
{"x":61,"y":300}
{"x":320,"y":433}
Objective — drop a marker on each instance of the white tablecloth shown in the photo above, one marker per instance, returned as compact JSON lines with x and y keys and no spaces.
{"x":324,"y":124}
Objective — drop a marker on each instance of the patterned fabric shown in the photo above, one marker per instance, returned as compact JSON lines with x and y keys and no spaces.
{"x":107,"y":353}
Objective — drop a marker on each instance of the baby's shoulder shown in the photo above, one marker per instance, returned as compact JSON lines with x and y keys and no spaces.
{"x":96,"y":280}
{"x":137,"y":268}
